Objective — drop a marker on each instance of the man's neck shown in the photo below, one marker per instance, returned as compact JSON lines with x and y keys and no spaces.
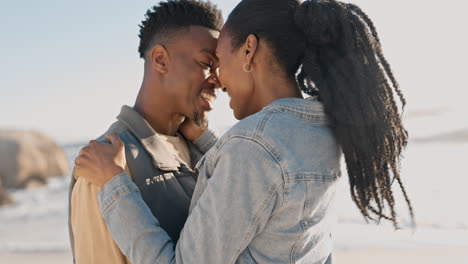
{"x":160,"y":116}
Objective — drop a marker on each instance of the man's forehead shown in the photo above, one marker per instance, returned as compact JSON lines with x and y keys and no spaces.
{"x":199,"y":38}
{"x":202,"y":33}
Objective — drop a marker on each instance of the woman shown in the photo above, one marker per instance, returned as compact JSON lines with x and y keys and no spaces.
{"x":265,"y":189}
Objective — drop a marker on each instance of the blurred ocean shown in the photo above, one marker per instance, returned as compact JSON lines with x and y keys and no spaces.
{"x":433,"y":170}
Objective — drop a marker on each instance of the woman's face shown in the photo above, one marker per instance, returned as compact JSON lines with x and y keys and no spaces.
{"x":234,"y":80}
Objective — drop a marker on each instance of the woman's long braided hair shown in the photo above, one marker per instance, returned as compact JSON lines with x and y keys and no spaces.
{"x":333,"y":50}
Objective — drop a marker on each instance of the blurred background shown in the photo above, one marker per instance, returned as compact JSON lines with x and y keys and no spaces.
{"x":66,"y":68}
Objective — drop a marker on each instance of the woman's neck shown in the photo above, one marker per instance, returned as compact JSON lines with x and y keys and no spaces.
{"x":271,"y":88}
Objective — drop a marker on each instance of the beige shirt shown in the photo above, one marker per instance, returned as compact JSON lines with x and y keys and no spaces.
{"x":178,"y":147}
{"x":92,"y":240}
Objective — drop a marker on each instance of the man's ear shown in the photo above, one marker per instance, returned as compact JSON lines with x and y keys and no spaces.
{"x":250,"y":47}
{"x":159,"y":58}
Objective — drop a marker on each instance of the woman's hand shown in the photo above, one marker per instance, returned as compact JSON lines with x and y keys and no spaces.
{"x":100,"y":162}
{"x":191,"y":131}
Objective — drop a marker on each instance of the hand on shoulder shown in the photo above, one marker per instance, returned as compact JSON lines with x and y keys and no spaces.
{"x":192,"y":131}
{"x":100,"y":162}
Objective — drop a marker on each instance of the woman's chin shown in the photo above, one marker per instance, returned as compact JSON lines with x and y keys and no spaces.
{"x":238,"y":115}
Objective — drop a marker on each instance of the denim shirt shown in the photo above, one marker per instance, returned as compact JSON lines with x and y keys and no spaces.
{"x":264,"y":195}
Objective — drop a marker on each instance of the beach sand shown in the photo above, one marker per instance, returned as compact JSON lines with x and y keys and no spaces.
{"x":348,"y":256}
{"x":36,"y":257}
{"x":402,"y":255}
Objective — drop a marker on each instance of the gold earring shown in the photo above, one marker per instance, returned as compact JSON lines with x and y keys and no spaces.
{"x":244,"y":68}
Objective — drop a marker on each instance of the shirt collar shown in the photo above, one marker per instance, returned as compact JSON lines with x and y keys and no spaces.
{"x":149,"y":138}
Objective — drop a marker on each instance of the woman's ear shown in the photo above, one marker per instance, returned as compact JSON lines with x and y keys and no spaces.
{"x":159,"y":59}
{"x":250,"y":46}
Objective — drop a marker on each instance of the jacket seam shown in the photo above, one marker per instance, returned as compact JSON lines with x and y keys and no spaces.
{"x":312,"y":176}
{"x":262,"y":123}
{"x":255,"y":139}
{"x":280,"y":182}
{"x":118,"y":196}
{"x":313,"y":112}
{"x":254,"y":221}
{"x":293,"y":249}
{"x":316,"y":119}
{"x":268,"y":148}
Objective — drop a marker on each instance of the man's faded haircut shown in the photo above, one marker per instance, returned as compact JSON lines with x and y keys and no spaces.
{"x":166,"y":18}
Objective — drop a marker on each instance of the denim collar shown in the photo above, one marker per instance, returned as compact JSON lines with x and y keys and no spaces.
{"x":149,"y":138}
{"x":310,"y":105}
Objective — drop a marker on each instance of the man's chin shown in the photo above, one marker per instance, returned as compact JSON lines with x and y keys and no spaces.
{"x":200,"y":120}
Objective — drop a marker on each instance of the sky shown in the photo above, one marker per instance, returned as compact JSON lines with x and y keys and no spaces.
{"x":66,"y":67}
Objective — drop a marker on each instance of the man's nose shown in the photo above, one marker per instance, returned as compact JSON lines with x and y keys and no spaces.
{"x":215,"y":81}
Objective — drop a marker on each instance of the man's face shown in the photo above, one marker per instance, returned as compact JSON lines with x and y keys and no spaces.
{"x":192,"y":72}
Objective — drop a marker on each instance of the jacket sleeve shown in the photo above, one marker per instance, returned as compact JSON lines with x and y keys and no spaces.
{"x":238,"y":200}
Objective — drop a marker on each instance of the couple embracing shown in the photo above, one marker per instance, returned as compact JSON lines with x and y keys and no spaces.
{"x":310,"y":86}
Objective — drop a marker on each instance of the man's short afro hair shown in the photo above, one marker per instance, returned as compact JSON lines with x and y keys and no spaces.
{"x":169,"y":16}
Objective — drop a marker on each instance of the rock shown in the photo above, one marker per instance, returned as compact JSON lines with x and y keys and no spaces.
{"x":28,"y":158}
{"x":5,"y":199}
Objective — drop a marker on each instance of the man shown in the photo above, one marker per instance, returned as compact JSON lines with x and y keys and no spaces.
{"x":177,"y":43}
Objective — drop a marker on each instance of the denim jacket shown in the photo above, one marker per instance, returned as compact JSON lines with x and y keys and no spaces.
{"x":264,"y":195}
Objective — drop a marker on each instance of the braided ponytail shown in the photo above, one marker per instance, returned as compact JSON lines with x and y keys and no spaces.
{"x":343,"y":63}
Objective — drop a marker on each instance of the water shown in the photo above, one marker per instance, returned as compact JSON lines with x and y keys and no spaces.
{"x":38,"y":219}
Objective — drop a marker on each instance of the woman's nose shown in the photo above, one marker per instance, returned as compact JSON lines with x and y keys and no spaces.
{"x":215,"y":81}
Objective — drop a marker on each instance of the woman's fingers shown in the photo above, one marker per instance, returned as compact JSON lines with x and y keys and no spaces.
{"x":82,"y":166}
{"x":115,"y":140}
{"x":191,"y":131}
{"x":99,"y":162}
{"x":83,"y":160}
{"x":81,"y":156}
{"x":84,"y":151}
